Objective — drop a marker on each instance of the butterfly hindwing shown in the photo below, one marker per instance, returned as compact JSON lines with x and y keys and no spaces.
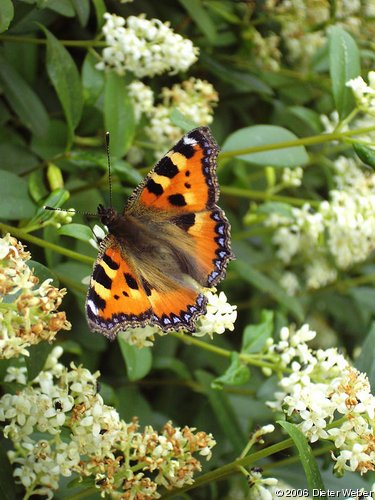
{"x":115,"y":297}
{"x":119,"y":298}
{"x":211,"y":233}
{"x":178,"y":308}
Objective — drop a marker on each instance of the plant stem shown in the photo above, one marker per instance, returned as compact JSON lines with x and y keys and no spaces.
{"x":43,"y":41}
{"x":19,"y":233}
{"x":304,"y":141}
{"x":248,"y":358}
{"x":263,"y":195}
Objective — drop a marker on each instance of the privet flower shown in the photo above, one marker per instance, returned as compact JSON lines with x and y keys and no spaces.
{"x":364,"y":93}
{"x":303,"y":25}
{"x":194,"y":98}
{"x":28,"y":314}
{"x":220,"y":316}
{"x":58,"y":218}
{"x":144,"y":47}
{"x":329,"y":399}
{"x":259,"y":485}
{"x":292,"y":177}
{"x":60,"y":426}
{"x":336,"y":235}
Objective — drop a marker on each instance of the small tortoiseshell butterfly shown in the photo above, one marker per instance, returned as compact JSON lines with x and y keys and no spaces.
{"x":170,"y":241}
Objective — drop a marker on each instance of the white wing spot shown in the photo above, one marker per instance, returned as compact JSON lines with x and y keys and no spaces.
{"x":188,"y":141}
{"x":92,"y":306}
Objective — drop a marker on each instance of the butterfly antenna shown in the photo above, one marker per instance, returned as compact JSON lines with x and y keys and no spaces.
{"x":109,"y":168}
{"x":69,"y":210}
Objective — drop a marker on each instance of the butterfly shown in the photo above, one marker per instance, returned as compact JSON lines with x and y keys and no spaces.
{"x":170,"y":242}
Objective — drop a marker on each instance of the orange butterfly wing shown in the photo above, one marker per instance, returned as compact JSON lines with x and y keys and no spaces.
{"x":115,"y":296}
{"x":184,"y":183}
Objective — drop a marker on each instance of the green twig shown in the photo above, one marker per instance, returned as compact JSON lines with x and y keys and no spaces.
{"x":255,"y":360}
{"x":19,"y":233}
{"x":304,"y":141}
{"x":43,"y":41}
{"x":264,"y":195}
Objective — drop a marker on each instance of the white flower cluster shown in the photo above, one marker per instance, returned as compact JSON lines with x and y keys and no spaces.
{"x":364,"y":93}
{"x":194,"y":98}
{"x":292,"y":177}
{"x":259,"y":485}
{"x":144,"y":47}
{"x":339,"y":234}
{"x":303,"y":23}
{"x":59,"y":426}
{"x":331,"y":399}
{"x":142,"y":97}
{"x":220,"y":316}
{"x":141,"y":336}
{"x":60,"y":218}
{"x":266,"y":49}
{"x":28,"y":314}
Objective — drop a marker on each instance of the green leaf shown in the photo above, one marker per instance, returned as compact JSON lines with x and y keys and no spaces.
{"x":37,"y":189}
{"x":118,"y":114}
{"x":262,"y":135}
{"x":82,"y":8}
{"x":22,"y":99}
{"x":344,"y":65}
{"x":241,"y":81}
{"x":132,"y":402}
{"x":180,"y":120}
{"x":265,"y":284}
{"x":365,"y":361}
{"x":127,"y":172}
{"x":138,"y":361}
{"x":17,"y":158}
{"x":298,"y":119}
{"x":224,"y":412}
{"x":52,"y":142}
{"x":100,"y":10}
{"x":306,"y":456}
{"x":6,"y":14}
{"x":37,"y":359}
{"x":366,"y":154}
{"x":78,"y":231}
{"x":7,"y":487}
{"x":226,"y":10}
{"x":270,"y":207}
{"x":236,"y":374}
{"x":63,"y":7}
{"x":174,"y":365}
{"x":92,"y":80}
{"x":89,"y":159}
{"x":200,"y":17}
{"x":55,"y":200}
{"x":255,"y":336}
{"x":65,"y":78}
{"x":15,"y":202}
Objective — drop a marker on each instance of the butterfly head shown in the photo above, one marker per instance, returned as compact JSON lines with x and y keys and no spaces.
{"x":108,"y":216}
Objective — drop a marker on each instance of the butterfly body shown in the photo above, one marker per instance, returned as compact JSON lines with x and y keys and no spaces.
{"x":170,"y":242}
